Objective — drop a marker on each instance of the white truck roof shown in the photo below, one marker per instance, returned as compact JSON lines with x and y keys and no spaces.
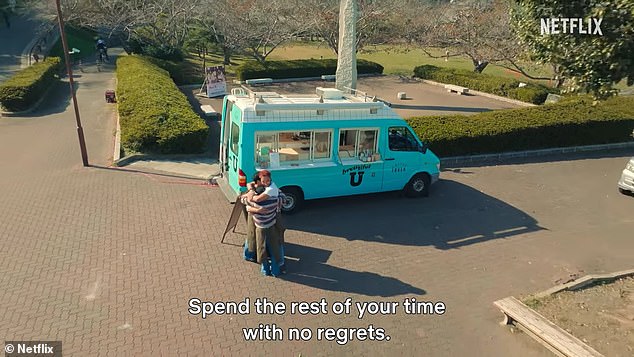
{"x":326,"y":104}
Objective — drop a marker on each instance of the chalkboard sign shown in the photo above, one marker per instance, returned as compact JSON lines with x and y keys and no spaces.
{"x":238,"y":209}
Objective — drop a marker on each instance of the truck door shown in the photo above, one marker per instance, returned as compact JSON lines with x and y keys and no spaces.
{"x":403,"y":157}
{"x":225,"y":135}
{"x":232,"y":155}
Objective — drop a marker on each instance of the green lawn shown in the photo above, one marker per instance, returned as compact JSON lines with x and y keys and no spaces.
{"x":399,"y":60}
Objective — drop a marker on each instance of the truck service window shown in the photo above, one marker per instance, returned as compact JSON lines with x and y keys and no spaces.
{"x":321,"y":144}
{"x":292,"y":147}
{"x":235,"y":137}
{"x":358,"y":143}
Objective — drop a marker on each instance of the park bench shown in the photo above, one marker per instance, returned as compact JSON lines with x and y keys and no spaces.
{"x":458,"y":89}
{"x":259,"y":81}
{"x":545,"y":332}
{"x":209,"y":110}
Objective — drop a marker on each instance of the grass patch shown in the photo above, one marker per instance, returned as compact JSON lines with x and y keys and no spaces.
{"x":299,"y":68}
{"x":402,"y":60}
{"x":532,"y":93}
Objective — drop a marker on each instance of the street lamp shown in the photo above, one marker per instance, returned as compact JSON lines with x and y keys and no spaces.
{"x":71,"y":84}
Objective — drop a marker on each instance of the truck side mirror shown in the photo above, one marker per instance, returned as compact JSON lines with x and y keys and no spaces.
{"x":423,"y":148}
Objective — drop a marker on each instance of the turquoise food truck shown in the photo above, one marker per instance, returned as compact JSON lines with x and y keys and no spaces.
{"x":317,"y":146}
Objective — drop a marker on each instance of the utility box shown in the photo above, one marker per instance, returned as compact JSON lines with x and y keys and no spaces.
{"x":110,"y":97}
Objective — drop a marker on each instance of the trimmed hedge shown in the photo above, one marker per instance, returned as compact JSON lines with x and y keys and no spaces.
{"x":507,"y":87}
{"x":27,"y":86}
{"x":567,"y":123}
{"x":155,"y":115}
{"x":299,"y":68}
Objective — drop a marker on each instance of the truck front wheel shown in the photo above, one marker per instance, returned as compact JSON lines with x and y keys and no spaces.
{"x":418,"y":186}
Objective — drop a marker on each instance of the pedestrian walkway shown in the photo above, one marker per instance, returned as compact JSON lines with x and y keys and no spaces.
{"x":14,"y":41}
{"x":201,"y":168}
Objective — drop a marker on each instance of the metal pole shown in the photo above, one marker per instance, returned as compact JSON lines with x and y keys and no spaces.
{"x":71,"y":84}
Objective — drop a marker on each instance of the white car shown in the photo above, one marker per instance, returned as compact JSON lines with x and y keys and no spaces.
{"x":626,"y":183}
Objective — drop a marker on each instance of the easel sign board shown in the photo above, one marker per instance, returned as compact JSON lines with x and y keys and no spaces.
{"x":216,"y":81}
{"x":238,"y":209}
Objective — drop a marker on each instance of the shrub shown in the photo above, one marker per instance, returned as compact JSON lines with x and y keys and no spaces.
{"x":183,"y":72}
{"x":532,"y":93}
{"x":155,"y":115}
{"x":160,"y":51}
{"x":299,"y":68}
{"x":26,"y":87}
{"x":567,"y":123}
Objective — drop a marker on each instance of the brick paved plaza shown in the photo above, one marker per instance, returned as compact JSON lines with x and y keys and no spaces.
{"x":106,"y":260}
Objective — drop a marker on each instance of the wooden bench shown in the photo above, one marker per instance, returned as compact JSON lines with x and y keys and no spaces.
{"x":545,"y":332}
{"x":209,"y":110}
{"x":259,"y":81}
{"x":458,"y":89}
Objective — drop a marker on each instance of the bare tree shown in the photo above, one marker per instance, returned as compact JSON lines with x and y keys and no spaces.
{"x":480,"y":30}
{"x":157,"y":22}
{"x":379,"y":21}
{"x":256,"y":27}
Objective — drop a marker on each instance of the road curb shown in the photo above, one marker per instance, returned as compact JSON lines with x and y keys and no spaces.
{"x":455,"y":161}
{"x":483,"y":94}
{"x":116,"y":156}
{"x":31,"y":109}
{"x":585,"y":281}
{"x":124,"y":161}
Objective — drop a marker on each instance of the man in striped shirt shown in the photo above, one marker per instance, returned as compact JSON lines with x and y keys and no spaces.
{"x":264,"y":208}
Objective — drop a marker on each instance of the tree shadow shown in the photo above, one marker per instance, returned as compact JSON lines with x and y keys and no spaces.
{"x":56,"y":101}
{"x":212,"y":147}
{"x":454,"y":216}
{"x":309,"y":268}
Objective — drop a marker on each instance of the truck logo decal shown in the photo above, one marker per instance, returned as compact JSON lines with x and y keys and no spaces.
{"x":355,"y":167}
{"x":353,"y":180}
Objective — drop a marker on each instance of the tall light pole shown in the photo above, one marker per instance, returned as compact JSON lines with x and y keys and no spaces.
{"x":71,"y":84}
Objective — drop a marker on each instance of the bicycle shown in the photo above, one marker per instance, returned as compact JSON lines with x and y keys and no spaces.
{"x":100,"y":58}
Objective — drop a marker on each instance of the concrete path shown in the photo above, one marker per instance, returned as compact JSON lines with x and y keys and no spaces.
{"x":14,"y":41}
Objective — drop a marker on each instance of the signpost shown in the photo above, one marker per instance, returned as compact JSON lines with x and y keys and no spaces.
{"x":216,"y":82}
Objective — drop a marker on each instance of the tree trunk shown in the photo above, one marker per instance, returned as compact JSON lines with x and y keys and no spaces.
{"x":204,"y":60}
{"x":559,"y":77}
{"x":226,"y":52}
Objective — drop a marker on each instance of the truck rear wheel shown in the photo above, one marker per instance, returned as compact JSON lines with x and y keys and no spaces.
{"x":418,"y":186}
{"x":294,"y":199}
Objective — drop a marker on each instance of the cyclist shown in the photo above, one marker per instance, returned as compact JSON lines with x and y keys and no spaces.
{"x":103,"y":50}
